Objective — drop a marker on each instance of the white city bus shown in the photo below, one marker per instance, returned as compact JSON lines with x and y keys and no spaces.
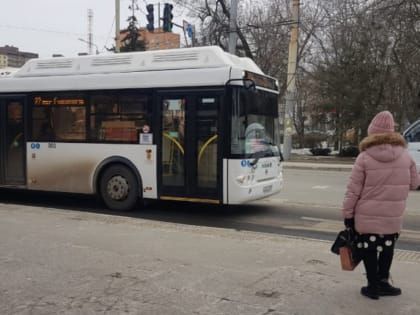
{"x":193,"y":124}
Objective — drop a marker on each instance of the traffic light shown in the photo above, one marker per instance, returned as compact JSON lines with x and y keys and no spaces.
{"x":167,"y":17}
{"x":150,"y":18}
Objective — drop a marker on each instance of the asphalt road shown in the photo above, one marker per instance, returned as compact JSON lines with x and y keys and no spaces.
{"x":309,"y":206}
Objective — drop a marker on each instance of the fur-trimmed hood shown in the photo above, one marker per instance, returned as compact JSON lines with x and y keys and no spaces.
{"x":383,"y":147}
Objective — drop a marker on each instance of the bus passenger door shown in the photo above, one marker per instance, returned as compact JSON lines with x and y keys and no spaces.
{"x":12,"y":141}
{"x":189,"y":147}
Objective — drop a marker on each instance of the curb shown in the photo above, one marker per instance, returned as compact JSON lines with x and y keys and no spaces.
{"x":317,"y":166}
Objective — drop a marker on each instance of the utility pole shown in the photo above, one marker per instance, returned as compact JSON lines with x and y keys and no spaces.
{"x":117,"y":26}
{"x":232,"y":26}
{"x":291,"y":82}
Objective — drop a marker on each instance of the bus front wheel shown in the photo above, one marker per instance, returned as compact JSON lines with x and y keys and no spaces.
{"x":118,"y":188}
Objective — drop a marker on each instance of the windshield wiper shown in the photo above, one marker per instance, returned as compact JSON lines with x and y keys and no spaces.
{"x":258,"y":155}
{"x":269,"y":152}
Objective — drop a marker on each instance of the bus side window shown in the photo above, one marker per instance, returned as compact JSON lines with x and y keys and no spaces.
{"x":119,"y":117}
{"x":59,"y":116}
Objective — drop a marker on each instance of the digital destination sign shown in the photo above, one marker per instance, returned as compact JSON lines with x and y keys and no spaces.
{"x":51,"y":101}
{"x":262,"y":81}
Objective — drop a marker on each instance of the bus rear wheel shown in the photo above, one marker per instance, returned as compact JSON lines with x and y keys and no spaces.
{"x":119,"y":188}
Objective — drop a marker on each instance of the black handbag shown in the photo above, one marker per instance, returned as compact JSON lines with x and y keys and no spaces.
{"x":345,"y":246}
{"x":343,"y":238}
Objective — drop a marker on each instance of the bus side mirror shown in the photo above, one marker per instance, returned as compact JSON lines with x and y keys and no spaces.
{"x":249,"y":84}
{"x":281,"y":157}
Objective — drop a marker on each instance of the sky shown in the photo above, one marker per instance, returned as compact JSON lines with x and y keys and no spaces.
{"x":48,"y":27}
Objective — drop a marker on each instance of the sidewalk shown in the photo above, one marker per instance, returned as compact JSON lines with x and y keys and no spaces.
{"x":329,"y":163}
{"x":103,"y":264}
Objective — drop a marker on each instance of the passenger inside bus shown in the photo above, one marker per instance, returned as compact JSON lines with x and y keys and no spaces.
{"x":255,"y":138}
{"x":15,"y":126}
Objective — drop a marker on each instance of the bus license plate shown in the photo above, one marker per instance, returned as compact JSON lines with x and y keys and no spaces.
{"x":267,"y":189}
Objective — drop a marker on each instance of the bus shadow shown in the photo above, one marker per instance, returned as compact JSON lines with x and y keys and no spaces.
{"x":210,"y":215}
{"x":224,"y":216}
{"x":248,"y":217}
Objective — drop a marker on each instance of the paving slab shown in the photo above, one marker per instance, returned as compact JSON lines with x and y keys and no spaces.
{"x":70,"y":262}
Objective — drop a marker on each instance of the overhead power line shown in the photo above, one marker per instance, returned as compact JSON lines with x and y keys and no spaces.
{"x":287,"y":22}
{"x":33,"y":29}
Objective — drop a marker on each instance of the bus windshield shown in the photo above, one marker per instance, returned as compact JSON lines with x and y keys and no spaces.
{"x":254,"y":120}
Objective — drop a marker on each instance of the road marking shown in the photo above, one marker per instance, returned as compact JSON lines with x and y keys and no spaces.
{"x":407,"y":255}
{"x":319,"y":219}
{"x":320,"y":187}
{"x":412,"y":213}
{"x":328,"y":225}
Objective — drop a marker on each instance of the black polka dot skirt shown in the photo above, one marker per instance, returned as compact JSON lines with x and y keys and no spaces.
{"x":378,"y":242}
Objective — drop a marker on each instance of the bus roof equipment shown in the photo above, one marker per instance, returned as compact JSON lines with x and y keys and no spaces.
{"x":171,"y":59}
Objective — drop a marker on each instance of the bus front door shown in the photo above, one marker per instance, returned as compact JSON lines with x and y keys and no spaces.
{"x":189,"y":147}
{"x":12,"y":141}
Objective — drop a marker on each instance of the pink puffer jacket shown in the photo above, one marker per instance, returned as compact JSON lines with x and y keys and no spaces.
{"x":380,"y":180}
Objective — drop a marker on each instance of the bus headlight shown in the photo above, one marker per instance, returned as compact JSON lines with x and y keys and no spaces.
{"x":241,"y":179}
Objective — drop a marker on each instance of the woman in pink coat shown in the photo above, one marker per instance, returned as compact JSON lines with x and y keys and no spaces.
{"x":375,"y":200}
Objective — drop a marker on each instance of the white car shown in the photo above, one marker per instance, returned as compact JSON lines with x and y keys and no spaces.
{"x":412,"y":136}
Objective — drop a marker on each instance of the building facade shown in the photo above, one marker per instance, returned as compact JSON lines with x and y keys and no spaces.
{"x":155,"y":40}
{"x":3,"y":61}
{"x":11,"y":57}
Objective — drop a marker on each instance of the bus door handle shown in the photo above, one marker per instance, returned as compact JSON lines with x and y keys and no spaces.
{"x":205,"y":145}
